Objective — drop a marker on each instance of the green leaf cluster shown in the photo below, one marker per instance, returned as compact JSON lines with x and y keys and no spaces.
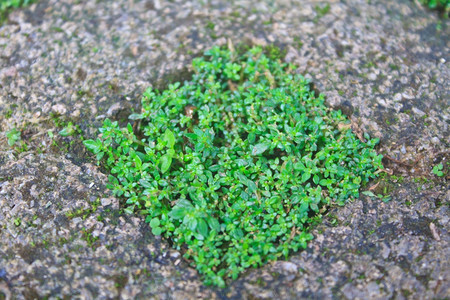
{"x":438,"y":170}
{"x":13,"y":136}
{"x":232,"y":165}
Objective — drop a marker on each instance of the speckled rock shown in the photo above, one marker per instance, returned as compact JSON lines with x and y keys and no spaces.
{"x":383,"y":63}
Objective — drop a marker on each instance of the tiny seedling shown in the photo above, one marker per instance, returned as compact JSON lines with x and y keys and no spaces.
{"x":385,"y":198}
{"x":13,"y":136}
{"x":437,"y":170}
{"x":68,"y":130}
{"x":15,"y":141}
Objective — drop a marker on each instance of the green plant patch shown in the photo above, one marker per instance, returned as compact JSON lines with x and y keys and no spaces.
{"x":441,"y":5}
{"x":232,"y":165}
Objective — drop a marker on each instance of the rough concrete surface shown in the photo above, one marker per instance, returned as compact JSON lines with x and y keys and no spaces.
{"x":62,"y":235}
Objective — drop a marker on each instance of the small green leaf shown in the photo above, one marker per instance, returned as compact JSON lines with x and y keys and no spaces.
{"x":166,"y":161}
{"x":259,"y":149}
{"x":138,"y":162}
{"x":191,"y":136}
{"x":316,"y":179}
{"x":306,"y":176}
{"x":213,"y":224}
{"x":202,"y":227}
{"x":191,"y":222}
{"x":13,"y":136}
{"x":251,"y":137}
{"x":237,"y":234}
{"x":386,"y":199}
{"x":129,"y":210}
{"x":242,"y":178}
{"x":199,"y":147}
{"x":214,"y":168}
{"x":135,"y":117}
{"x":251,"y":186}
{"x":171,"y":152}
{"x":145,"y":183}
{"x":437,"y":170}
{"x":113,"y":179}
{"x":299,"y":166}
{"x":169,"y":137}
{"x":157,"y":230}
{"x":100,"y":155}
{"x":369,"y":193}
{"x":154,"y":222}
{"x":185,"y":204}
{"x":177,"y":213}
{"x":68,"y":130}
{"x":94,"y":146}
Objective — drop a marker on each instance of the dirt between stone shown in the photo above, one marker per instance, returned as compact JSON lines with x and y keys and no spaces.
{"x":383,"y":63}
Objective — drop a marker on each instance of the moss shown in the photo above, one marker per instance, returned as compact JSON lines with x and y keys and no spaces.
{"x":86,"y":235}
{"x":406,"y":293}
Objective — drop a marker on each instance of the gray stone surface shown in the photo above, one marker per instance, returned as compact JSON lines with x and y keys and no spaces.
{"x":384,"y":63}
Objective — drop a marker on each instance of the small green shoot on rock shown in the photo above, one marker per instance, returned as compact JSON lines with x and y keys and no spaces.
{"x":13,"y":136}
{"x":437,"y":170}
